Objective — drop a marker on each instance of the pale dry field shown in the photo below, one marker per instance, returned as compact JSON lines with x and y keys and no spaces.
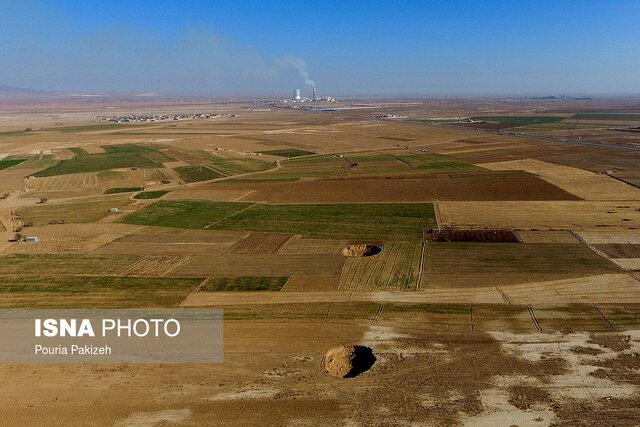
{"x":584,"y":184}
{"x":544,"y":215}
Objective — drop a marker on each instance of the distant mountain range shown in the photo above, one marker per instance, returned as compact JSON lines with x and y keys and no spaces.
{"x":19,"y":91}
{"x":12,"y":91}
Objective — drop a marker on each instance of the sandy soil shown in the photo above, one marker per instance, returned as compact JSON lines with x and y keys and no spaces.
{"x":272,"y":372}
{"x":584,"y":184}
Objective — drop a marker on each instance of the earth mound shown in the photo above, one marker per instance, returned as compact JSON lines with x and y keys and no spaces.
{"x":361,"y":250}
{"x":348,"y":361}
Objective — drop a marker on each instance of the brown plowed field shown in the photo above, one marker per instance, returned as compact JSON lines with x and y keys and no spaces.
{"x":260,"y":243}
{"x":584,"y":184}
{"x":299,"y":245}
{"x":214,"y":195}
{"x":508,"y":185}
{"x":154,"y":266}
{"x":164,"y":248}
{"x":232,"y":265}
{"x":620,"y":250}
{"x":490,"y":264}
{"x":311,"y":284}
{"x":548,"y":236}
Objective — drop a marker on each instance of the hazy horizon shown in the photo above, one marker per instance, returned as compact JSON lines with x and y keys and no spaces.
{"x":249,"y":49}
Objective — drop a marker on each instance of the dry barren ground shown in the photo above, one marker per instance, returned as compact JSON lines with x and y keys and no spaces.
{"x":584,"y":184}
{"x":544,"y":215}
{"x":272,"y":372}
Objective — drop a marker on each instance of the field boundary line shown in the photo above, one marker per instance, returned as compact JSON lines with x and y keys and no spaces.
{"x":597,"y":252}
{"x":437,"y":214}
{"x":247,"y":194}
{"x":533,"y":318}
{"x":403,"y":161}
{"x":195,"y":290}
{"x":229,"y":216}
{"x":285,"y":283}
{"x":182,"y":260}
{"x":422,"y":251}
{"x":613,"y":328}
{"x":504,"y":296}
{"x":377,"y":315}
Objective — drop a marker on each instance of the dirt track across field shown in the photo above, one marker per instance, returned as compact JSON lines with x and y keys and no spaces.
{"x":607,"y":288}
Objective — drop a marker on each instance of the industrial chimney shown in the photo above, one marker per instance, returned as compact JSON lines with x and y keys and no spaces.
{"x":313,"y":97}
{"x":296,"y":95}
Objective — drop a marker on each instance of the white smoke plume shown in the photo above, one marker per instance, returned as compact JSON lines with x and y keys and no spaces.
{"x":300,"y":66}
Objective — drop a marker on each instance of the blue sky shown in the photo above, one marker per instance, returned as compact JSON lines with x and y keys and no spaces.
{"x":241,"y":47}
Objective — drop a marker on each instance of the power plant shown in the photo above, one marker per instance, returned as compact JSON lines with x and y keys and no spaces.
{"x":298,"y":98}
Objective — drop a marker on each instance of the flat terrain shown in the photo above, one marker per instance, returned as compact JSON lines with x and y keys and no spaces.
{"x":354,"y":221}
{"x":265,"y":214}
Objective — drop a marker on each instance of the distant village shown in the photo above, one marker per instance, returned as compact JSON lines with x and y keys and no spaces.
{"x":131,"y":118}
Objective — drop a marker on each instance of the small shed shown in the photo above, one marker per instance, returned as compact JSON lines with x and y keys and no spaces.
{"x":31,"y":239}
{"x":114,"y":210}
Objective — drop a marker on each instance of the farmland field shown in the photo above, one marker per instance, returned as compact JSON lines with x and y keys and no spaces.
{"x":150,"y":194}
{"x":395,"y":268}
{"x":115,"y":156}
{"x":537,"y":331}
{"x":478,"y":264}
{"x":122,"y":190}
{"x":502,"y":185}
{"x":355,"y":164}
{"x":76,"y":212}
{"x":243,"y":284}
{"x":288,"y":153}
{"x":513,"y":121}
{"x":7,"y":163}
{"x":354,"y":221}
{"x":59,"y":264}
{"x":606,"y":116}
{"x":184,"y":214}
{"x":95,"y":291}
{"x":197,"y":173}
{"x":260,"y":243}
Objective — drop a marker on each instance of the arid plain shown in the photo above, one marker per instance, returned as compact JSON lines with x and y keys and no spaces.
{"x":507,"y":285}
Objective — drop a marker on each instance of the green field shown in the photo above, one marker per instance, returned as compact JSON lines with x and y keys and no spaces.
{"x":513,"y":121}
{"x":292,"y":152}
{"x":183,"y":214}
{"x":197,"y":173}
{"x":88,"y":128}
{"x":151,"y":194}
{"x":237,"y":165}
{"x":93,"y":291}
{"x":122,"y":190}
{"x":401,"y":221}
{"x":37,"y":162}
{"x":7,"y":163}
{"x":424,"y":162}
{"x":621,"y":117}
{"x":114,"y":157}
{"x":78,"y":152}
{"x":244,"y":284}
{"x":367,"y":163}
